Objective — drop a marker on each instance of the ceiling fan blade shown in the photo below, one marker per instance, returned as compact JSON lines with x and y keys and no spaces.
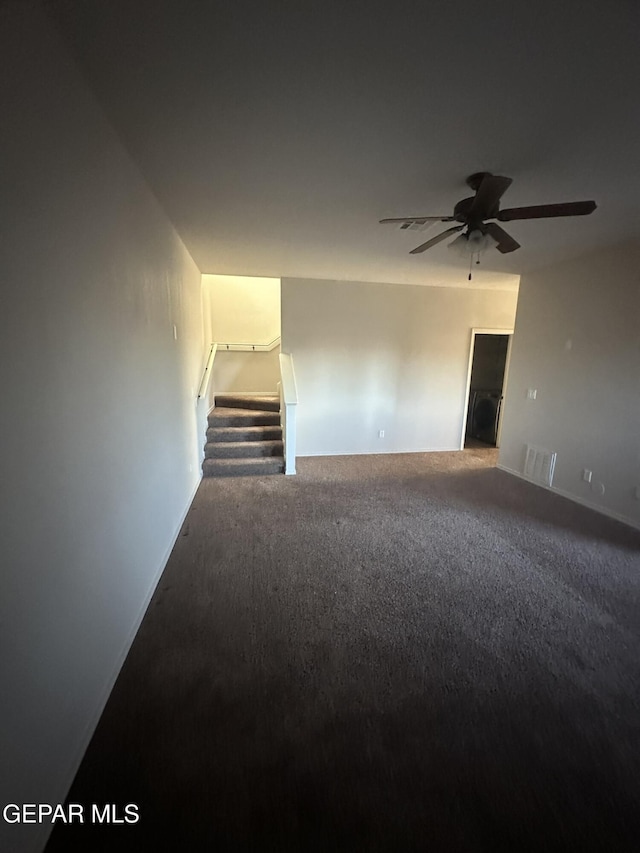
{"x":505,"y":241}
{"x":543,"y":211}
{"x":434,"y":240}
{"x":418,"y":220}
{"x":489,"y":193}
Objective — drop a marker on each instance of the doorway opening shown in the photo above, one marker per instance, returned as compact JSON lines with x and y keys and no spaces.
{"x":486,"y":385}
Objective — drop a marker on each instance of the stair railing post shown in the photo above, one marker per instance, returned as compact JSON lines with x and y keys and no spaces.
{"x":288,"y":406}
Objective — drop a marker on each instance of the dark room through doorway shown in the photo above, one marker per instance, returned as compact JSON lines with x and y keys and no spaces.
{"x":490,"y":352}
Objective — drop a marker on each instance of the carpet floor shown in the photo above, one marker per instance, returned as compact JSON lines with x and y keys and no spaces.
{"x":384,"y":653}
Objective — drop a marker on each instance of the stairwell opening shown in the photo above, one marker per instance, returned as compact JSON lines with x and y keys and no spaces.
{"x":244,"y":434}
{"x":243,"y":316}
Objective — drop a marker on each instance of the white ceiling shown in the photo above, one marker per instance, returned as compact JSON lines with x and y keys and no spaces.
{"x":276,"y":133}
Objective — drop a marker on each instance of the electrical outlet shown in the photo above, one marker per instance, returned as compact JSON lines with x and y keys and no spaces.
{"x":381,"y":433}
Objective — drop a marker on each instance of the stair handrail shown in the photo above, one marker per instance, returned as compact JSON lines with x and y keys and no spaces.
{"x":231,"y":347}
{"x":288,"y":406}
{"x":206,"y":376}
{"x":244,"y":347}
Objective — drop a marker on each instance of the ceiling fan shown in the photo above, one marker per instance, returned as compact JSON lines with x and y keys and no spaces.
{"x":474,"y":212}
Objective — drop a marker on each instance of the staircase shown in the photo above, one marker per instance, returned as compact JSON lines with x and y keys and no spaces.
{"x":244,"y":437}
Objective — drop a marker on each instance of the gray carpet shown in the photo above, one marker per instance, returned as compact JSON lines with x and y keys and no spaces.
{"x":384,"y":653}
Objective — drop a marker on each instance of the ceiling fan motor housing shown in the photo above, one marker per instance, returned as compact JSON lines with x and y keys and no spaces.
{"x":462,"y":209}
{"x":461,"y":214}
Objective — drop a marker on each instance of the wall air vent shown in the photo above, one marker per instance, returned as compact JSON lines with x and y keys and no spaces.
{"x":539,"y":465}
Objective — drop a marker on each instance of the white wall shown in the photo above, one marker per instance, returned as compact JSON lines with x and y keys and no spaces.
{"x":246,"y":372}
{"x":207,"y":400}
{"x":101,"y":439}
{"x":244,"y":309}
{"x":577,"y":343}
{"x":375,"y":356}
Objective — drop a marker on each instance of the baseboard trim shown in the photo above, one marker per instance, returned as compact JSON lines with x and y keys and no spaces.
{"x":616,"y":516}
{"x":378,"y":452}
{"x":93,"y":722}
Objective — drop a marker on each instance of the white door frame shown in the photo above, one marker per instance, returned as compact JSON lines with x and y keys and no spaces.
{"x":472,"y":346}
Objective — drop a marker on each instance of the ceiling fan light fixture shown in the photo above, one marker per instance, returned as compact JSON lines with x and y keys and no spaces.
{"x":472,"y":243}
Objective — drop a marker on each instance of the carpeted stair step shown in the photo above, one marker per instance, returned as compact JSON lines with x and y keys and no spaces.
{"x":243,"y":467}
{"x":244,"y":437}
{"x":242,"y":449}
{"x":244,"y":433}
{"x":240,"y":401}
{"x":232,"y":417}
